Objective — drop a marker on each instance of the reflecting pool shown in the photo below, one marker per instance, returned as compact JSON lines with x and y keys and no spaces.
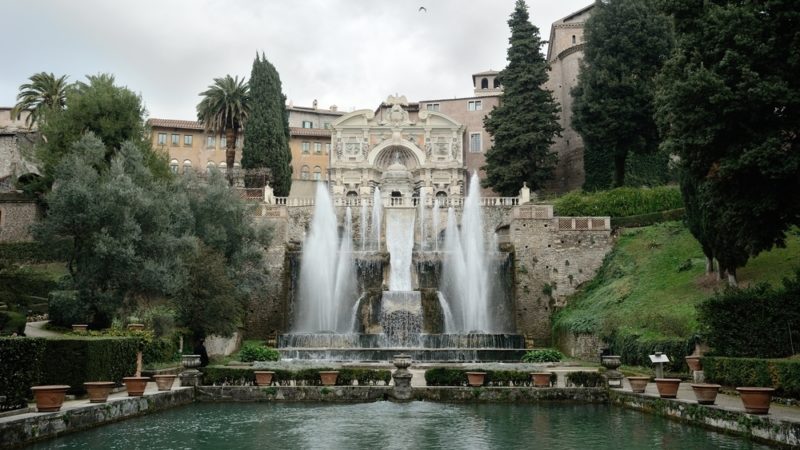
{"x":386,"y":425}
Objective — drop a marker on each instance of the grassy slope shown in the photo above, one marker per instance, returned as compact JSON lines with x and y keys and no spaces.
{"x":652,"y":280}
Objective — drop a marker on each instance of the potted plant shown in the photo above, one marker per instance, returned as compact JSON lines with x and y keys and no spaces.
{"x":164,"y":382}
{"x":668,"y":387}
{"x":135,"y":385}
{"x":328,"y":377}
{"x":476,"y":378}
{"x":49,"y":398}
{"x":98,"y":390}
{"x":79,"y":328}
{"x":541,"y":379}
{"x":756,"y":399}
{"x":264,"y":377}
{"x":694,"y":363}
{"x":638,"y":384}
{"x":705,"y":393}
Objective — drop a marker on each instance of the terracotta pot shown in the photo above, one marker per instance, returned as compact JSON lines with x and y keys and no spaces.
{"x":80,"y":328}
{"x":476,"y":378}
{"x":264,"y":378}
{"x":135,"y":326}
{"x":98,"y":390}
{"x":694,"y":363}
{"x":164,"y":382}
{"x":49,"y":398}
{"x":541,"y":379}
{"x":328,"y":377}
{"x":668,"y":387}
{"x":638,"y":384}
{"x":135,"y":385}
{"x":756,"y":399}
{"x":706,"y":394}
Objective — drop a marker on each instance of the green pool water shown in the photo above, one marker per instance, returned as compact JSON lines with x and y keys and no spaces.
{"x":386,"y":425}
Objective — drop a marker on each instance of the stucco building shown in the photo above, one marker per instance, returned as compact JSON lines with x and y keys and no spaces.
{"x":189,"y":146}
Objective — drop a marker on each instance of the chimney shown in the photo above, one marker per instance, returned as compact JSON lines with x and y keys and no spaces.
{"x":314,"y":104}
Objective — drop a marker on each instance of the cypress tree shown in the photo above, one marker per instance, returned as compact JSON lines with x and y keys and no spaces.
{"x":627,"y":42}
{"x":524,"y":125}
{"x":266,"y":137}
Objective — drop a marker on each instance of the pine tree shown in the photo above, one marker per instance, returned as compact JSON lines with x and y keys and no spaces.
{"x":524,"y":125}
{"x":266,"y":137}
{"x":728,"y":104}
{"x":627,"y":42}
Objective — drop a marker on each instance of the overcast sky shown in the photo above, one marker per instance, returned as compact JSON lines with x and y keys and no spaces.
{"x":352,"y":53}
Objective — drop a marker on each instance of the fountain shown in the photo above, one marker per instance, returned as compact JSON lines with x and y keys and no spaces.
{"x":372,"y":304}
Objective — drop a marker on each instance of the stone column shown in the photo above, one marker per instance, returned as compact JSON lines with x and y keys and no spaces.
{"x":402,"y":378}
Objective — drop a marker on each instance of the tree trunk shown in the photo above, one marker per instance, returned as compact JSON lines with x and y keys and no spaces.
{"x":619,"y":170}
{"x":709,"y":265}
{"x":138,"y":363}
{"x":732,"y":280}
{"x":230,"y":153}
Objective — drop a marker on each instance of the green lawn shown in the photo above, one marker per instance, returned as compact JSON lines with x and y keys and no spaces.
{"x":652,"y":280}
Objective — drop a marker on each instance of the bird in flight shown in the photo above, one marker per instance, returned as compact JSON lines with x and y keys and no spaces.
{"x":422,"y":8}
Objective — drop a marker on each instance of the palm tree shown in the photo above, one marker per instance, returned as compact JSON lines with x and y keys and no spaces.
{"x":44,"y":92}
{"x":224,"y":109}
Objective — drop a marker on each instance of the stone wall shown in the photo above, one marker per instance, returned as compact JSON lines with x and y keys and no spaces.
{"x":17,"y":215}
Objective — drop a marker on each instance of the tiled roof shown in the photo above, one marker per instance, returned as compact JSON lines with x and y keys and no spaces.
{"x":297,"y":131}
{"x":170,"y":123}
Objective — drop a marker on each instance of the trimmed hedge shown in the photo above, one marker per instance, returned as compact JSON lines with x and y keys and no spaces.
{"x":619,"y":202}
{"x":35,"y":252}
{"x":781,"y":374}
{"x":214,"y":375}
{"x":755,"y":322}
{"x":74,"y":361}
{"x":19,"y":369}
{"x":634,"y":350}
{"x":644,"y":220}
{"x":160,"y":350}
{"x":12,"y":322}
{"x":443,"y":376}
{"x":585,"y":379}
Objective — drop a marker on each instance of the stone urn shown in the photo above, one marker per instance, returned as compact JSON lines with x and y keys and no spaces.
{"x":190,"y":361}
{"x":135,"y":385}
{"x":264,"y":377}
{"x":190,"y":376}
{"x":164,"y":382}
{"x":756,"y":399}
{"x":694,"y":363}
{"x":402,"y":377}
{"x":638,"y":384}
{"x":328,"y":377}
{"x":49,"y":398}
{"x":135,"y":326}
{"x":80,"y":328}
{"x":541,"y":379}
{"x":706,"y":394}
{"x":98,"y":390}
{"x":611,"y":363}
{"x":668,"y":387}
{"x":476,"y":378}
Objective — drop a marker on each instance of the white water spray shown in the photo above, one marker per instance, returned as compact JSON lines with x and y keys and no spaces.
{"x":364,"y":212}
{"x":421,"y":218}
{"x":377,"y":214}
{"x":435,"y":231}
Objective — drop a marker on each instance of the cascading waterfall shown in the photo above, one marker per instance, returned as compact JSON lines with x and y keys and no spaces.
{"x":377,"y":214}
{"x":363,"y":225}
{"x":449,"y":321}
{"x":327,"y":277}
{"x":400,"y":244}
{"x":421,"y":218}
{"x":435,"y":231}
{"x":465,"y":272}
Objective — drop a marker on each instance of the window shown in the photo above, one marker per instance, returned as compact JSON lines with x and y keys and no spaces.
{"x":475,"y":142}
{"x":328,"y":148}
{"x":187,"y":166}
{"x":485,"y":83}
{"x":187,"y":140}
{"x":475,"y":105}
{"x":306,"y":147}
{"x":162,"y":138}
{"x":317,"y":173}
{"x":496,"y":83}
{"x":304,"y":173}
{"x":176,"y":139}
{"x":326,"y":125}
{"x":317,"y":147}
{"x":308,"y":124}
{"x":432,"y":107}
{"x":173,"y":166}
{"x":573,"y":39}
{"x":211,"y":141}
{"x":223,"y":142}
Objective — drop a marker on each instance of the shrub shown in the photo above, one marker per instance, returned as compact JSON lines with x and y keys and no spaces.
{"x":442,"y":376}
{"x":542,"y":355}
{"x":74,"y":361}
{"x":585,"y":379}
{"x":255,"y":352}
{"x":635,"y":350}
{"x":35,"y":252}
{"x":757,"y":321}
{"x":160,"y":350}
{"x":643,"y":220}
{"x":362,"y":376}
{"x":619,"y":202}
{"x":781,"y":374}
{"x":19,"y":369}
{"x":12,"y":322}
{"x":65,"y":308}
